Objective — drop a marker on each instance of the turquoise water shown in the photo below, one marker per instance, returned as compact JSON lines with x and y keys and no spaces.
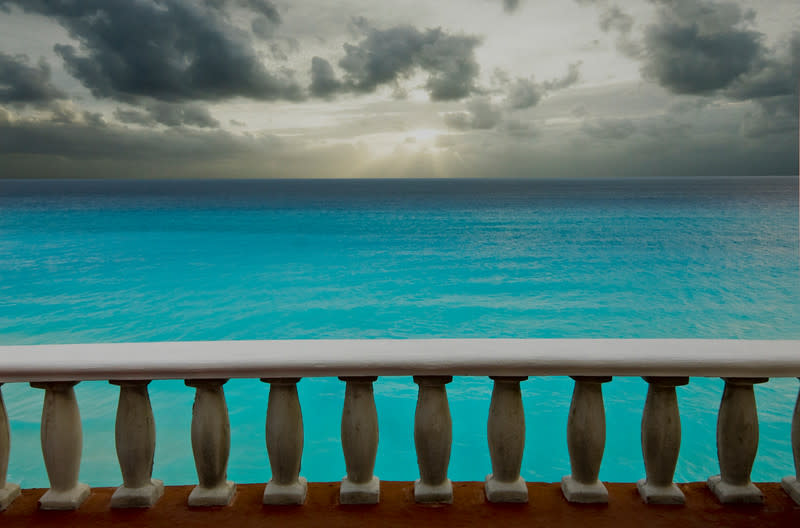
{"x":88,"y":261}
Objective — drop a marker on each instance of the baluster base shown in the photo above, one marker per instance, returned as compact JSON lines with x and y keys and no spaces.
{"x":575,"y":491}
{"x":283,"y":494}
{"x":143,"y":497}
{"x":364,"y":493}
{"x":65,"y":500}
{"x":8,"y":494}
{"x":427,"y":493}
{"x":735,"y":494}
{"x":791,"y":486}
{"x":218,"y":496}
{"x":652,"y":494}
{"x":497,"y":491}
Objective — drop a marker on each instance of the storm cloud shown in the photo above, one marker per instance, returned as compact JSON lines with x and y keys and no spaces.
{"x":525,"y":93}
{"x":699,"y":47}
{"x":175,"y":51}
{"x":23,"y":83}
{"x":169,"y":114}
{"x":323,"y":79}
{"x":774,"y":80}
{"x":272,"y":88}
{"x":616,"y":19}
{"x":385,"y":56}
{"x":710,"y":49}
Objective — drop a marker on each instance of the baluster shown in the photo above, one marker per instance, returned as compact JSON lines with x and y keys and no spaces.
{"x":359,"y":442}
{"x":135,"y":434}
{"x":661,"y":441}
{"x":284,"y":443}
{"x":62,"y":443}
{"x":506,"y":434}
{"x":586,"y":439}
{"x":791,"y":484}
{"x":211,"y":443}
{"x":8,"y":491}
{"x":433,"y":435}
{"x":737,"y":443}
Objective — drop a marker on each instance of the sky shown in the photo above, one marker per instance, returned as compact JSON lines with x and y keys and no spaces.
{"x":410,"y":88}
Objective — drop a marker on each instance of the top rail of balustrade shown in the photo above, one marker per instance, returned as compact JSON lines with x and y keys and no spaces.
{"x":400,"y":357}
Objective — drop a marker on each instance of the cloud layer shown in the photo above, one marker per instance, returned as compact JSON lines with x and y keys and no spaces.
{"x":386,"y":56}
{"x":183,"y":52}
{"x":23,"y":83}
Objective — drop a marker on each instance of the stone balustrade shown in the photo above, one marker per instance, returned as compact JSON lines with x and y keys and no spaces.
{"x":592,"y":362}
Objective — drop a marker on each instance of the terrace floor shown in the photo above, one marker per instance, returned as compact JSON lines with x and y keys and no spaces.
{"x":547,"y":507}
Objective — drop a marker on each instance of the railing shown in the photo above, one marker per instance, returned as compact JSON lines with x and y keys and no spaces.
{"x":206,"y":366}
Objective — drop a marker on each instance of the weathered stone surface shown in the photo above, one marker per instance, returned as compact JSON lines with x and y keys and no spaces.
{"x":737,"y":443}
{"x":363,"y":493}
{"x":62,"y":444}
{"x":506,"y":436}
{"x":433,"y":436}
{"x":142,"y":497}
{"x":211,"y":441}
{"x":661,"y":441}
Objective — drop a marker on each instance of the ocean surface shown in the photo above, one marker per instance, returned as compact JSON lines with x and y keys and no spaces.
{"x":102,"y":261}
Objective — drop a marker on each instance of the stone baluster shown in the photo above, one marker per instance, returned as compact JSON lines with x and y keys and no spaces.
{"x":737,"y":443}
{"x":8,"y":491}
{"x":284,"y":443}
{"x":62,"y":444}
{"x":791,"y":484}
{"x":359,"y":442}
{"x":433,"y":436}
{"x":586,"y":439}
{"x":135,"y":434}
{"x":211,"y":443}
{"x":661,"y":441}
{"x":506,"y":434}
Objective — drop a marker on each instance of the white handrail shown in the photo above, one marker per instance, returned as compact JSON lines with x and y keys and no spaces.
{"x":400,"y":357}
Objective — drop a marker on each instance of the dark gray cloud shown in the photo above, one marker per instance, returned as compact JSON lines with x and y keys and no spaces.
{"x":265,"y":8}
{"x":42,"y":149}
{"x":481,"y":114}
{"x":708,"y":48}
{"x":266,"y":23}
{"x":66,"y":113}
{"x":260,"y":7}
{"x":605,"y":128}
{"x":768,"y":120}
{"x":775,"y":75}
{"x":171,"y":50}
{"x":182,"y":114}
{"x":263,"y":27}
{"x":571,"y":77}
{"x":84,"y":141}
{"x":615,"y":19}
{"x":169,"y":114}
{"x":134,"y":117}
{"x":23,"y":83}
{"x":509,"y":6}
{"x":323,"y":80}
{"x":384,"y":57}
{"x":525,"y":93}
{"x":699,"y":46}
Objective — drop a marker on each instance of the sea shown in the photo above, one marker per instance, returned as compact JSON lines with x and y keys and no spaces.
{"x":87,"y":261}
